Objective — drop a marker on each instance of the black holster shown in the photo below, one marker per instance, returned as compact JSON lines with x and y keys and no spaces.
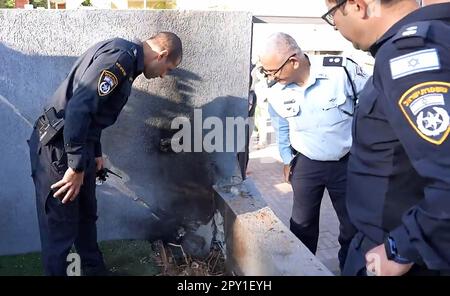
{"x":49,"y":126}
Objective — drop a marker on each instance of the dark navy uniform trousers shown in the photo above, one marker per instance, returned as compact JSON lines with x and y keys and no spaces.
{"x":309,"y":178}
{"x":63,"y":225}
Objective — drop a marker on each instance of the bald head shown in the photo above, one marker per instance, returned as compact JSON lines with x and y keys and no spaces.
{"x":280,"y":44}
{"x":170,"y":42}
{"x":162,"y":53}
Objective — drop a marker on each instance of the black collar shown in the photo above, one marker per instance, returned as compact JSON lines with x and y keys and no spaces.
{"x":427,"y":13}
{"x":139,"y":57}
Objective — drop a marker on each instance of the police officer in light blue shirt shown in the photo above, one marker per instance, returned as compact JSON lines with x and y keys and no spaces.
{"x":311,"y":107}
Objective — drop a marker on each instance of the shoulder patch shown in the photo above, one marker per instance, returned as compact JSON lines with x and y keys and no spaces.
{"x":106,"y":83}
{"x":415,"y":62}
{"x":424,"y":106}
{"x":358,"y":69}
{"x":360,"y":72}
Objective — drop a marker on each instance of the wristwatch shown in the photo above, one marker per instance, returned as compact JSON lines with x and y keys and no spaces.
{"x":392,"y":252}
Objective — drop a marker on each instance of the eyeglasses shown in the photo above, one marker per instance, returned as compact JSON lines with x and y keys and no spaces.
{"x":329,"y":15}
{"x":274,"y":72}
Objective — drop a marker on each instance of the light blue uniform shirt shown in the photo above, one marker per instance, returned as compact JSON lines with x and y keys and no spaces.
{"x":316,"y":118}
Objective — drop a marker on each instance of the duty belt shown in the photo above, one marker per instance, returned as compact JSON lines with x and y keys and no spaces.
{"x":49,"y":126}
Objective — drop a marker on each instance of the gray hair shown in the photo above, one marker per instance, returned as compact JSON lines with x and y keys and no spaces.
{"x":281,"y":43}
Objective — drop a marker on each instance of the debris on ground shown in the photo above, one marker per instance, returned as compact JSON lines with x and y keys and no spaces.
{"x":175,"y":262}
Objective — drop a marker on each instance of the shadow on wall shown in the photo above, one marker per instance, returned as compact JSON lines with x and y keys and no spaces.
{"x":25,"y":83}
{"x":177,"y":187}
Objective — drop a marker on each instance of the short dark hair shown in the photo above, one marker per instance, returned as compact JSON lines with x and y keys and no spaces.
{"x":170,"y":42}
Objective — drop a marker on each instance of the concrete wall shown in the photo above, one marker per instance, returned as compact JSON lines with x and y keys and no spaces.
{"x":257,"y":243}
{"x":37,"y":49}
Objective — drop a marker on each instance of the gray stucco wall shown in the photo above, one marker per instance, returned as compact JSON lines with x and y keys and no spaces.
{"x":37,"y":49}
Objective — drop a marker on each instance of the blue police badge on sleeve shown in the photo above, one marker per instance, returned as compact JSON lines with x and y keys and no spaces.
{"x":424,"y":106}
{"x":106,"y":83}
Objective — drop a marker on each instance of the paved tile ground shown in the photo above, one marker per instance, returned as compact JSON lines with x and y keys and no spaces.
{"x":265,"y":168}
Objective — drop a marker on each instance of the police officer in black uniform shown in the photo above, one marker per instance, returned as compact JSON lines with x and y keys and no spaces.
{"x":65,"y":147}
{"x":399,"y":168}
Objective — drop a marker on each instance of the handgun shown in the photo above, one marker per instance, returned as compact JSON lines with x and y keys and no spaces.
{"x":103,"y":174}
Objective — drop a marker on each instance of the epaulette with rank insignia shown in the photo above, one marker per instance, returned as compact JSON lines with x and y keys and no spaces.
{"x":412,"y":35}
{"x":132,"y":52}
{"x":334,"y":61}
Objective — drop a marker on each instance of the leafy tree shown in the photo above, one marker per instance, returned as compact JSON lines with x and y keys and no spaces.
{"x":7,"y":3}
{"x":38,"y":3}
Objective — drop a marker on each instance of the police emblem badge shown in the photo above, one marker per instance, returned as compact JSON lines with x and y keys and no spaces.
{"x":106,"y":83}
{"x":424,"y":106}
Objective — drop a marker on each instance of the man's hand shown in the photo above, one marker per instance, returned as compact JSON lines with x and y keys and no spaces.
{"x":69,"y":185}
{"x":99,"y":163}
{"x":378,"y":263}
{"x":286,"y":172}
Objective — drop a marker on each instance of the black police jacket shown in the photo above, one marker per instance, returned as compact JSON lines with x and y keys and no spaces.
{"x":94,"y":92}
{"x":399,"y":168}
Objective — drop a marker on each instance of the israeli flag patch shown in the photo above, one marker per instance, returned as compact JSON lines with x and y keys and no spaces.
{"x":416,"y":62}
